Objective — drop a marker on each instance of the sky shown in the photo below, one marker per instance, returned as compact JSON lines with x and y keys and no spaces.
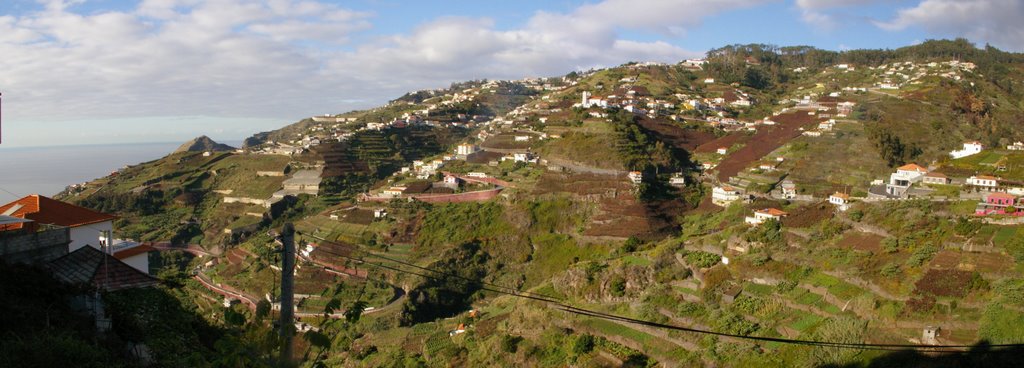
{"x":126,"y":71}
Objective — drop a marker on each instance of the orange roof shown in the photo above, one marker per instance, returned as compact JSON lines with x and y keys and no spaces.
{"x":133,"y":251}
{"x":773,"y":212}
{"x":935,"y":175}
{"x":912,"y":167}
{"x":841,"y":195}
{"x":45,"y":210}
{"x":1001,"y":195}
{"x":986,"y":177}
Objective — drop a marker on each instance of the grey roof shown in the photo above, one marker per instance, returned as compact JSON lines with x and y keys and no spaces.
{"x":89,"y":265}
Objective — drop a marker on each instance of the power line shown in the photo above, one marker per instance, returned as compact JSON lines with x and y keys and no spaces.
{"x":595,"y":314}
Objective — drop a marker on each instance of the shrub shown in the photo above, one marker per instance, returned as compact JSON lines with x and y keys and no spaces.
{"x":583,"y":344}
{"x":701,"y":259}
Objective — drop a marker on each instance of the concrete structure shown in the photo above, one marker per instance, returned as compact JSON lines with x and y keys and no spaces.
{"x":302,"y":182}
{"x":788,"y":188}
{"x":970,"y":148}
{"x":936,"y":178}
{"x":905,"y":176}
{"x":466,"y":149}
{"x":33,"y":247}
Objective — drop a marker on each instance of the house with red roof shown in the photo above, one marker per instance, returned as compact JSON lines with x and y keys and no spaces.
{"x":87,"y":226}
{"x":763,"y":215}
{"x":998,"y":203}
{"x":905,"y":176}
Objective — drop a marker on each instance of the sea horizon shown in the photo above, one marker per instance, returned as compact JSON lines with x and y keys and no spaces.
{"x":47,"y":170}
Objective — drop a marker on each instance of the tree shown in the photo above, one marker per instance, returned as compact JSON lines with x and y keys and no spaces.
{"x":756,"y":78}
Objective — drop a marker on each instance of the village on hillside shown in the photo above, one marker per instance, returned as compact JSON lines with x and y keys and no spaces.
{"x":653,"y":189}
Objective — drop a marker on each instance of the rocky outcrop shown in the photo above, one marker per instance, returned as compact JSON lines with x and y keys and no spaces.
{"x":203,"y":144}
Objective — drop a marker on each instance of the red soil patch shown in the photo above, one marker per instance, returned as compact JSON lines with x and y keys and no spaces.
{"x":867,"y":242}
{"x":952,"y":283}
{"x":687,"y":139}
{"x":727,"y":140}
{"x":766,"y":140}
{"x":809,"y":215}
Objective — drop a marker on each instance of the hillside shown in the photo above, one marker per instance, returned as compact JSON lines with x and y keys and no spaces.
{"x":773,"y":192}
{"x":202,"y":144}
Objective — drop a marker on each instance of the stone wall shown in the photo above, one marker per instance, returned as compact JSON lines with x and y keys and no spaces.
{"x":35,"y":248}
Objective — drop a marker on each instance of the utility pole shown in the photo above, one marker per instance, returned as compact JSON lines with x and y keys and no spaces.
{"x":287,"y":292}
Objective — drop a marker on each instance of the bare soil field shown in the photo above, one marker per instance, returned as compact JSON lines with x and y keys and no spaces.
{"x":809,"y":215}
{"x":766,"y":140}
{"x":944,"y":283}
{"x":862,"y":241}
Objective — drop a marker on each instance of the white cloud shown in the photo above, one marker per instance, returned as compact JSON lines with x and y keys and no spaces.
{"x":826,"y":14}
{"x":291,"y":58}
{"x":994,"y":21}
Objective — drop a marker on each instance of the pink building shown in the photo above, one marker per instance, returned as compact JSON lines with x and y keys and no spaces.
{"x":996,"y":203}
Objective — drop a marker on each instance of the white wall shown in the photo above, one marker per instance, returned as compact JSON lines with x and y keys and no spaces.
{"x":88,"y":235}
{"x":139,"y":262}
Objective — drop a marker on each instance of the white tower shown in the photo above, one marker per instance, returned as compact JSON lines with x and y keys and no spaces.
{"x":586,"y":98}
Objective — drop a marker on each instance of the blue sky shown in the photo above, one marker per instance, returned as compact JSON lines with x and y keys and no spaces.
{"x":105,"y":71}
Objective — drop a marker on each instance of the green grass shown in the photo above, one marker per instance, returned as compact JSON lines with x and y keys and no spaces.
{"x":555,"y":253}
{"x":806,"y":322}
{"x":1004,"y":234}
{"x":632,"y":260}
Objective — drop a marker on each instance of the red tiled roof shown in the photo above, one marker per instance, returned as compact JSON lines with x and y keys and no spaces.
{"x":773,"y":212}
{"x":89,"y":265}
{"x":912,"y":167}
{"x":45,"y":210}
{"x":841,"y":195}
{"x":133,"y":251}
{"x":1001,"y":195}
{"x":935,"y":175}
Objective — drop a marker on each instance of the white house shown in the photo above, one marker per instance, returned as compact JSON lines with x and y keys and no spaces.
{"x":763,"y":215}
{"x":709,"y":80}
{"x":465,"y":149}
{"x":722,"y":150}
{"x":905,"y":176}
{"x":724,"y":195}
{"x":983,"y":181}
{"x":1016,"y":146}
{"x":522,"y":138}
{"x":677,"y":180}
{"x":380,"y":213}
{"x":936,"y":178}
{"x":841,"y":200}
{"x":970,"y":148}
{"x":636,"y":177}
{"x":476,"y":175}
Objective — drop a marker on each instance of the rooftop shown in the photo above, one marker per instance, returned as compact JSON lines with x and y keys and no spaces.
{"x":89,"y":265}
{"x":45,"y":210}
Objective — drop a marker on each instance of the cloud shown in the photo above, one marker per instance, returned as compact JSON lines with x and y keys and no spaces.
{"x":825,"y":14}
{"x":293,"y":58}
{"x":994,"y":21}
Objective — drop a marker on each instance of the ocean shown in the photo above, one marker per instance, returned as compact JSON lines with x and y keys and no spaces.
{"x":48,"y":170}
